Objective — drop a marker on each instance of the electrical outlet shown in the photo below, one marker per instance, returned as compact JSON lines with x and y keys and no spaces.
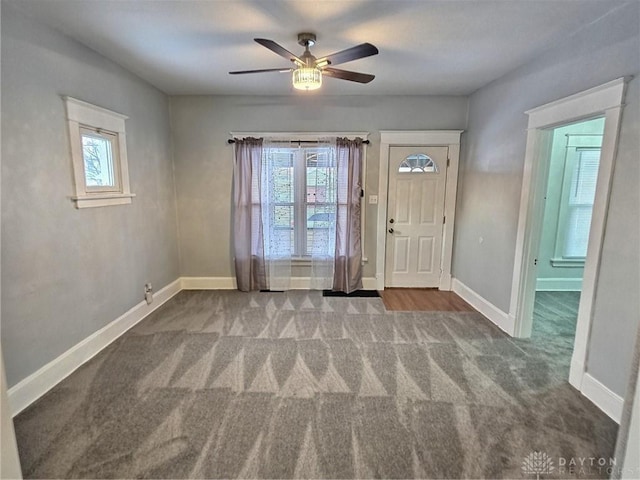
{"x":373,"y":199}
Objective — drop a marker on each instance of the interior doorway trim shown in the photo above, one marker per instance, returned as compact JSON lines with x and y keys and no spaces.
{"x":602,"y":101}
{"x":421,"y":138}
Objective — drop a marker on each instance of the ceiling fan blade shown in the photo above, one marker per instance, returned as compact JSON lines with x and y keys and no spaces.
{"x":347,"y":75}
{"x":280,"y":50}
{"x":359,"y":51}
{"x":242,"y":72}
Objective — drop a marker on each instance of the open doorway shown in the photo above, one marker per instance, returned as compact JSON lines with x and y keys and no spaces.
{"x":573,"y":163}
{"x":604,"y":101}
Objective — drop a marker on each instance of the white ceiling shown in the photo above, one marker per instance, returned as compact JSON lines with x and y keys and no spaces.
{"x":427,"y":47}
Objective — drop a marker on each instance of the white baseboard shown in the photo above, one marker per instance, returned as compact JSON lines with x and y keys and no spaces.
{"x":40,"y":382}
{"x":606,"y":400}
{"x":486,"y":308}
{"x":559,"y":284}
{"x":229,"y":283}
{"x":369,"y":283}
{"x":208,"y":283}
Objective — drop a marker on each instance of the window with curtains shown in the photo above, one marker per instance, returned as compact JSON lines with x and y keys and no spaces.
{"x":576,"y":205}
{"x":298,"y":200}
{"x":304,"y":193}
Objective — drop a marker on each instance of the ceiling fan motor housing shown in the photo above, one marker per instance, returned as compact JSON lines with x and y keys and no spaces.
{"x":307,"y":39}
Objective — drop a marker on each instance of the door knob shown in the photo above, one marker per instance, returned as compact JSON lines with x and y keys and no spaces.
{"x":391,"y":230}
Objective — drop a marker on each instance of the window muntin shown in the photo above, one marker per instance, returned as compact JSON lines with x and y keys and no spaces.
{"x":418,"y":163}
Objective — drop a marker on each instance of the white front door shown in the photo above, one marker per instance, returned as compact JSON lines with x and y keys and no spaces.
{"x":415,"y":216}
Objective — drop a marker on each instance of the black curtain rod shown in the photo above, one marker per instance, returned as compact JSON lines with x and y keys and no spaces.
{"x":232,"y":140}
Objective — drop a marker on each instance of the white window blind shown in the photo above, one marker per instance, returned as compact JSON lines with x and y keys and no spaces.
{"x":580,"y":202}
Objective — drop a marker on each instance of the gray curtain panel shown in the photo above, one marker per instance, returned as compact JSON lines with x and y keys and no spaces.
{"x":248,"y":230}
{"x":348,"y":254}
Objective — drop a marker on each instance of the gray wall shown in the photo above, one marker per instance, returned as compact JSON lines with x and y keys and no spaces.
{"x":66,"y":272}
{"x":9,"y":458}
{"x":491,"y":178}
{"x":204,"y":160}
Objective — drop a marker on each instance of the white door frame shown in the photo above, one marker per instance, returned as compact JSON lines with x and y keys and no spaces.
{"x":602,"y":101}
{"x":419,"y":138}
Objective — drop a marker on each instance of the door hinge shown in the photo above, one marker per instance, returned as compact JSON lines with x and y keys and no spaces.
{"x":444,"y":219}
{"x":448,"y":161}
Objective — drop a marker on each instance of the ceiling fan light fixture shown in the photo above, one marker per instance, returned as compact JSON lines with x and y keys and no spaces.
{"x":307,"y":78}
{"x":308,"y":70}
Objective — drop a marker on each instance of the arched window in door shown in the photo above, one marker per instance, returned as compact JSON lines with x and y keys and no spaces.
{"x":418,"y":163}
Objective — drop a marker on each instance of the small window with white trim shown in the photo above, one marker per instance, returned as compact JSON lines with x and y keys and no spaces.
{"x":99,"y":153}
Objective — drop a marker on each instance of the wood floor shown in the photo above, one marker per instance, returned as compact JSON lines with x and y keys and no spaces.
{"x":423,"y":299}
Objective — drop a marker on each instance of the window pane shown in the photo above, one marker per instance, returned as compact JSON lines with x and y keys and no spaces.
{"x":98,"y":161}
{"x":283,"y":216}
{"x":280,"y":168}
{"x":320,"y":176}
{"x":418,"y":163}
{"x":578,"y":225}
{"x":320,"y":185}
{"x":317,"y":157}
{"x":320,"y":216}
{"x":279,"y":231}
{"x":585,"y":176}
{"x":278,"y":198}
{"x":321,"y":229}
{"x":581,"y":196}
{"x":280,"y":157}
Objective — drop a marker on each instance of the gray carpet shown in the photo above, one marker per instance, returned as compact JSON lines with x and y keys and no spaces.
{"x":554,"y":326}
{"x":295,"y":385}
{"x":556,"y":313}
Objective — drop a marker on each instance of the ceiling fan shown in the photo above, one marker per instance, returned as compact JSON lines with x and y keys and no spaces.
{"x":308,"y":70}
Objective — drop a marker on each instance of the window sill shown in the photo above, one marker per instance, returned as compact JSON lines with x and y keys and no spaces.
{"x":567,"y":262}
{"x":307,"y":262}
{"x":102,"y":200}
